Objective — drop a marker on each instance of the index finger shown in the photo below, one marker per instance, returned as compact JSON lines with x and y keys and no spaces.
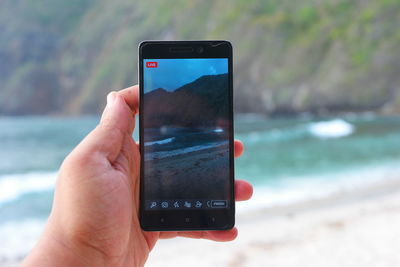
{"x":219,"y":236}
{"x":131,"y":96}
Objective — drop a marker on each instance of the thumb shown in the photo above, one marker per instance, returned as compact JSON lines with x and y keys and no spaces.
{"x":107,"y":138}
{"x":117,"y":114}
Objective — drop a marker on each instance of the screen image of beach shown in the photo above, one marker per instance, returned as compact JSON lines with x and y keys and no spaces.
{"x":186,"y":126}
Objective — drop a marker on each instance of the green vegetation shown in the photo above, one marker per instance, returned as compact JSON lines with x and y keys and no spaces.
{"x":290,"y":56}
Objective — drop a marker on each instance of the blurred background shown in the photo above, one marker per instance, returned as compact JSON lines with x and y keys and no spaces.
{"x":317,"y":104}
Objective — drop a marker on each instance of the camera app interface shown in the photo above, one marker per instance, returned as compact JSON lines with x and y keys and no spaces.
{"x":186,"y":133}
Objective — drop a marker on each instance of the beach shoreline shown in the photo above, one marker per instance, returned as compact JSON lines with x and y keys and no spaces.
{"x":201,"y":174}
{"x":355,"y":227}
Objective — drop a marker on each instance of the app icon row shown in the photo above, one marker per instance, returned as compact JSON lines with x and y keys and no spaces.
{"x":186,"y":204}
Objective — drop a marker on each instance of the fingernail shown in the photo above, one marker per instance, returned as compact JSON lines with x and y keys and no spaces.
{"x":111,"y":98}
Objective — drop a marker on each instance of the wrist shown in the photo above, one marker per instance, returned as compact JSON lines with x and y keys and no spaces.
{"x":56,"y":249}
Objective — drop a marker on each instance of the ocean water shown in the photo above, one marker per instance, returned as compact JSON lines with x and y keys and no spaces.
{"x":169,"y":141}
{"x":288,"y":160}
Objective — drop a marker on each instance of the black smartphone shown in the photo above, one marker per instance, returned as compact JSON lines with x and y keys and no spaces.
{"x":186,"y":136}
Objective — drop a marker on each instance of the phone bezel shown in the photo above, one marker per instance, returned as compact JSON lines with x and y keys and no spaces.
{"x":184,"y":220}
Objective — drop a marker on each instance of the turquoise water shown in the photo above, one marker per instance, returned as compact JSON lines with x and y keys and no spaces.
{"x":286,"y":160}
{"x":281,"y":149}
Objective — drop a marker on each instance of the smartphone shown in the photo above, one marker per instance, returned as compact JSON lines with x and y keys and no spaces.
{"x":186,"y":136}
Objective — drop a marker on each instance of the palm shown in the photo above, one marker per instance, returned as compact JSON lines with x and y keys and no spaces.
{"x":124,"y":217}
{"x":97,"y":194}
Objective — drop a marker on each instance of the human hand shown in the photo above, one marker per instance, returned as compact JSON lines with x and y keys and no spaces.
{"x":94,"y":220}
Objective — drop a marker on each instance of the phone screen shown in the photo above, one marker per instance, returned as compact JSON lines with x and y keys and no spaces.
{"x":186,"y":127}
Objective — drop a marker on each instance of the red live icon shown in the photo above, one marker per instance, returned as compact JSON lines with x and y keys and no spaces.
{"x":151,"y":64}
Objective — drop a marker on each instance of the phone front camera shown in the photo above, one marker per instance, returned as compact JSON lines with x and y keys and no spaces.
{"x":200,"y":49}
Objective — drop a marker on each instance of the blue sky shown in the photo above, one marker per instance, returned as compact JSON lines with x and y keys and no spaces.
{"x":173,"y":73}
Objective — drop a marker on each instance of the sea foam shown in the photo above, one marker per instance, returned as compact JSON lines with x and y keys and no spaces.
{"x":181,"y":151}
{"x":331,"y":129}
{"x":160,"y":142}
{"x":12,"y":186}
{"x":19,"y":237}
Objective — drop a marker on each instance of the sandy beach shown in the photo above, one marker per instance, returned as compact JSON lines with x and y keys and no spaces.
{"x":186,"y":175}
{"x":359,"y":228}
{"x":352,"y":228}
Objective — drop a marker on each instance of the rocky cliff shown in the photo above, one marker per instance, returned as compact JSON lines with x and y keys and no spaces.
{"x":203,"y":102}
{"x":316,"y":56}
